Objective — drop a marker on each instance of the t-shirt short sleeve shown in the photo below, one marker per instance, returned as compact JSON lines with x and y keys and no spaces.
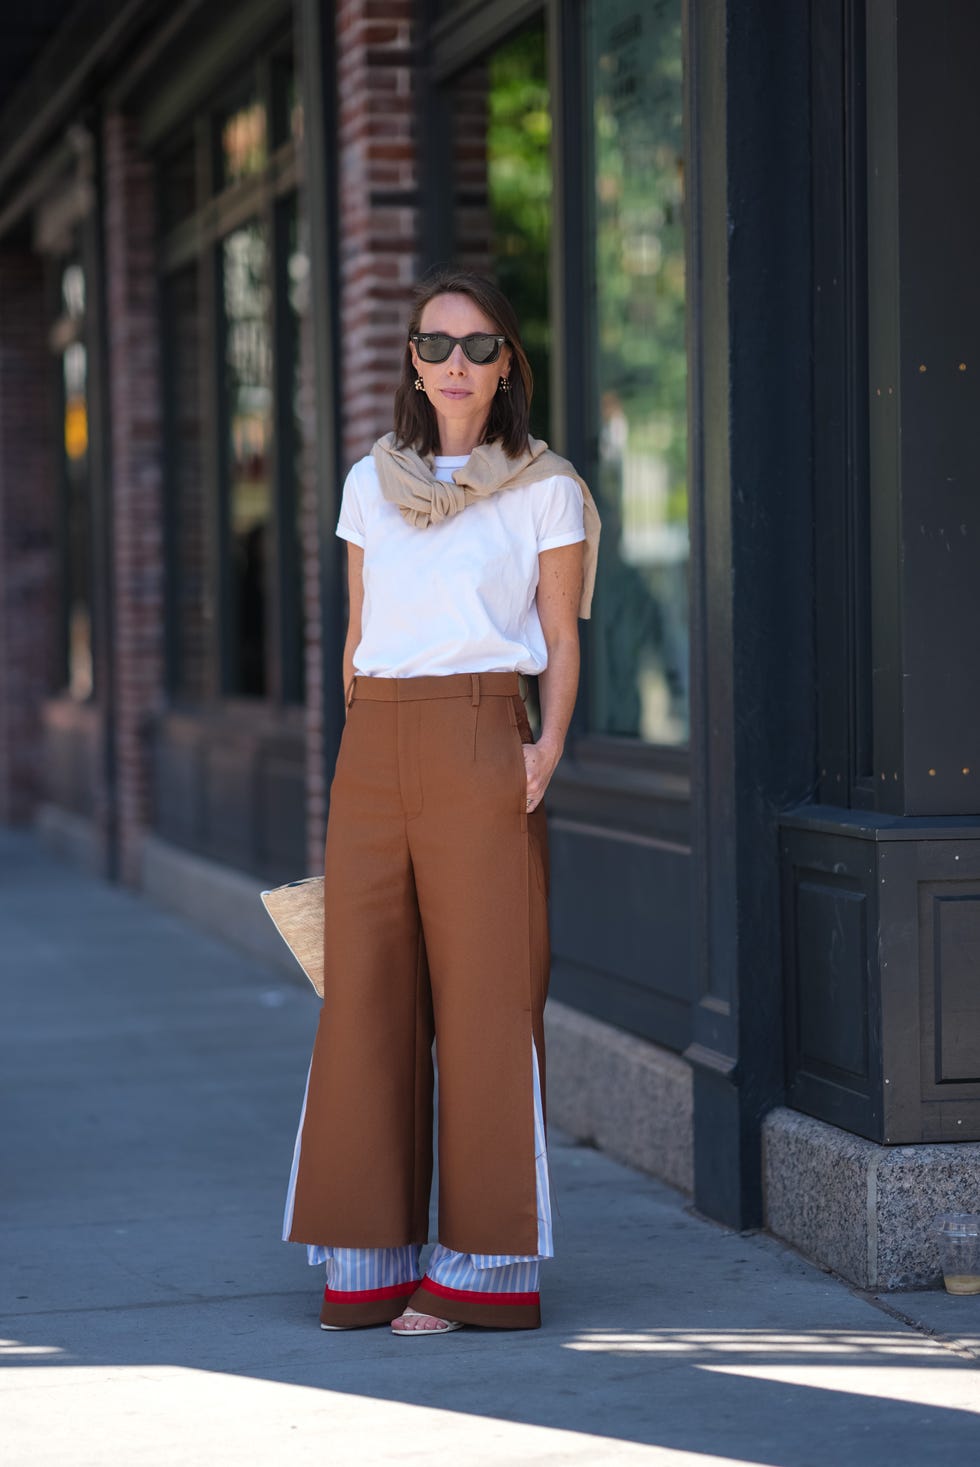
{"x":350,"y":521}
{"x":560,"y":518}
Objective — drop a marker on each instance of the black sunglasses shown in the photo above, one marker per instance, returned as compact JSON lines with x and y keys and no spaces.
{"x":479,"y":347}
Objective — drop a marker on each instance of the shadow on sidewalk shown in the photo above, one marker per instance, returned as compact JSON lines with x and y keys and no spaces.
{"x":151,"y":1082}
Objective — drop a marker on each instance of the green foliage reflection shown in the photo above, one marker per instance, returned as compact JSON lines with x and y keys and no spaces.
{"x":519,"y":182}
{"x":640,"y":651}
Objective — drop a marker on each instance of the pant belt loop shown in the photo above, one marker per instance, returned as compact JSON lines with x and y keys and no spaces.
{"x":522,"y":686}
{"x":350,"y":690}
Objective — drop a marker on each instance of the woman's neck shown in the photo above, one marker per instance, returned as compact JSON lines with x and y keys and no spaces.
{"x":457,"y":438}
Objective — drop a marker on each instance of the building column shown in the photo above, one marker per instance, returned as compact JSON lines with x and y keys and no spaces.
{"x":28,"y":525}
{"x":137,"y":596}
{"x":360,"y":198}
{"x":752,"y":671}
{"x":378,"y":182}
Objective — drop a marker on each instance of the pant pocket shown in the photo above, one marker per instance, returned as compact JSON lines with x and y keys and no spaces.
{"x":517,"y":715}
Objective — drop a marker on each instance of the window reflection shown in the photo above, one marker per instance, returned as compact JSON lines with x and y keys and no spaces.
{"x":287,"y":103}
{"x":178,"y":185}
{"x":639,"y":635}
{"x":77,"y":502}
{"x":294,"y":103}
{"x":190,"y":593}
{"x":519,"y":173}
{"x":248,"y":398}
{"x":243,"y":142}
{"x":73,"y":292}
{"x":503,"y":187}
{"x":297,"y":290}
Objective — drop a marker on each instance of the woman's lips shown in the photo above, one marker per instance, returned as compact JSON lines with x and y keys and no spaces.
{"x":454,"y":392}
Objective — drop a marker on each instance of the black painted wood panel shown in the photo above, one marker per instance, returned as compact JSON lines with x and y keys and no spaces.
{"x":230,"y":784}
{"x":620,"y":923}
{"x":881,"y":932}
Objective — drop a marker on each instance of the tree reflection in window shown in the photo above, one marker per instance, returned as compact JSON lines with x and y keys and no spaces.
{"x":640,"y":642}
{"x":520,"y":189}
{"x":503,"y":188}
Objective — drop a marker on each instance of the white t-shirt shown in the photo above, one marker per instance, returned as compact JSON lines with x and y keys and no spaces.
{"x":457,"y":596}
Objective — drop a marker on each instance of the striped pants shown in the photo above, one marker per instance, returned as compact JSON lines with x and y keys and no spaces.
{"x":368,"y":1276}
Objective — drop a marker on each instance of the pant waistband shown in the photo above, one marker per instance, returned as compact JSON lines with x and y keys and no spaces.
{"x":472,"y":685}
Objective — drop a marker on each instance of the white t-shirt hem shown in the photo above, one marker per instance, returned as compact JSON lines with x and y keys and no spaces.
{"x":346,"y":534}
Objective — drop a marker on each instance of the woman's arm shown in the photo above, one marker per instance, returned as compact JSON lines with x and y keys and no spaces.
{"x":558,"y":595}
{"x":355,"y":590}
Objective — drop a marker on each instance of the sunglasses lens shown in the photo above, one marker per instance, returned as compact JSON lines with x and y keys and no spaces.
{"x":481,"y":348}
{"x":434,"y":348}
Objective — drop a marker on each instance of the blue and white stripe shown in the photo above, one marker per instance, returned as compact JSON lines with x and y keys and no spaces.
{"x":462,"y":1271}
{"x":546,"y":1241}
{"x":455,"y":1270}
{"x":351,"y":1269}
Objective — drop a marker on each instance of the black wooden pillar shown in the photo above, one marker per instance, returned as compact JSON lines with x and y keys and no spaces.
{"x":753,"y":741}
{"x":924,"y":126}
{"x":881,"y":882}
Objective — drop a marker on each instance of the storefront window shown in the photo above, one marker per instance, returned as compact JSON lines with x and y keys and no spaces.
{"x":234,"y":291}
{"x":248,"y":405}
{"x":287,"y":110}
{"x":503,"y":187}
{"x":520,"y":187}
{"x":242,"y":141}
{"x":77,"y":490}
{"x":639,"y":639}
{"x":296,"y":291}
{"x":189,"y":598}
{"x":178,"y":185}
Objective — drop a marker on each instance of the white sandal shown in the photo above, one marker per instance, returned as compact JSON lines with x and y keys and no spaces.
{"x":445,"y":1325}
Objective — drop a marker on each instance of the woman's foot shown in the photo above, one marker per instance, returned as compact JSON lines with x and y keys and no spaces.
{"x":411,"y":1322}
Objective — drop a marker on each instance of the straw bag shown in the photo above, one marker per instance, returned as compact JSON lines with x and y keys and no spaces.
{"x":297,"y":911}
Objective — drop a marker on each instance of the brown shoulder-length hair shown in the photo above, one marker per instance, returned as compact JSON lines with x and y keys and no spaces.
{"x":415,"y":418}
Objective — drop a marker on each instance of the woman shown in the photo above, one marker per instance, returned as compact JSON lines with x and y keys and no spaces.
{"x":471,"y":552}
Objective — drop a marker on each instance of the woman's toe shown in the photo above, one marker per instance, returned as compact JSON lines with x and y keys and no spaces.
{"x":413,"y":1320}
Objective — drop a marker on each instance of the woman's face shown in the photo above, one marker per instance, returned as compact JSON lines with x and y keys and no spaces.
{"x":460,"y":391}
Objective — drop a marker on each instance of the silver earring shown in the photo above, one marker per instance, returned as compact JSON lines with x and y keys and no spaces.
{"x":419,"y":384}
{"x":505,"y":384}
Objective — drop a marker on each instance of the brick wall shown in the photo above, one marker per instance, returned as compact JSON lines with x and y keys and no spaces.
{"x":378,"y":250}
{"x":378,"y":177}
{"x":28,"y":521}
{"x":135,"y":398}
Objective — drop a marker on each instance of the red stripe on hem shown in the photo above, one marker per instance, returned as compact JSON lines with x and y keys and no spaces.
{"x":475,"y":1296}
{"x":364,"y":1296}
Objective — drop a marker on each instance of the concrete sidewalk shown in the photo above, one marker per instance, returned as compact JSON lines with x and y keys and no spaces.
{"x":151,"y":1080}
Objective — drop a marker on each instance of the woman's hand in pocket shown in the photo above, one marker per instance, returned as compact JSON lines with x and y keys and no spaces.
{"x":540,"y":762}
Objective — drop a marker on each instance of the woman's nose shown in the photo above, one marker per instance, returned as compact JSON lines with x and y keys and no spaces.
{"x":457,"y":359}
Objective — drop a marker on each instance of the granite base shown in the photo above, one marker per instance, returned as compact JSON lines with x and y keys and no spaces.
{"x":866,"y":1211}
{"x":630,"y":1098}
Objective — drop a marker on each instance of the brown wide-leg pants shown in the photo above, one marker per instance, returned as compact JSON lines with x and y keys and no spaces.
{"x":436,"y":925}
